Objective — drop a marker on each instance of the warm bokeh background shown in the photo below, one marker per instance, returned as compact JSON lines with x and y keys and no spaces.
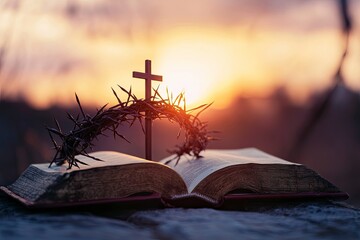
{"x":269,"y":66}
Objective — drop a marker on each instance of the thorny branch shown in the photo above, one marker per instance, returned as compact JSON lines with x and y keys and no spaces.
{"x":87,"y":128}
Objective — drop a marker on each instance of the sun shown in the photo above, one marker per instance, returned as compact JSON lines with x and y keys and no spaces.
{"x":189,"y":65}
{"x":191,"y":79}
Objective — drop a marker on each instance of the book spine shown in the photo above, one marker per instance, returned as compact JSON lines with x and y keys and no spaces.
{"x":191,"y":199}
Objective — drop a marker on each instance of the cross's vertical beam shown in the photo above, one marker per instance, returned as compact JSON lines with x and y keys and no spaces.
{"x":148,"y":122}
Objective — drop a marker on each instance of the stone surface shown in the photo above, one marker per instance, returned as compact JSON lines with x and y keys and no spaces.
{"x":312,"y":220}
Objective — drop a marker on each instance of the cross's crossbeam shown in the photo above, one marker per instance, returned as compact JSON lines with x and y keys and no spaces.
{"x":148,"y":122}
{"x":148,"y":77}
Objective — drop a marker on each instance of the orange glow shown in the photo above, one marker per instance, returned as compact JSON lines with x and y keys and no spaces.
{"x":216,"y":70}
{"x":210,"y":58}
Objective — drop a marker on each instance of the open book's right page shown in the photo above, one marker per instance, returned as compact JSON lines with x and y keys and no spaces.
{"x":193,"y":171}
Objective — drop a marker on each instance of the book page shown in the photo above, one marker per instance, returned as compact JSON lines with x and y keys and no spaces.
{"x":118,"y":176}
{"x":109,"y":159}
{"x":193,"y":171}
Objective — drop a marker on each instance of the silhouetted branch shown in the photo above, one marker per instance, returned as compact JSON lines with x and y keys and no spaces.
{"x":321,"y":107}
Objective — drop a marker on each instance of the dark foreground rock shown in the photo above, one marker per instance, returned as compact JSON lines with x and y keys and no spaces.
{"x":311,"y":220}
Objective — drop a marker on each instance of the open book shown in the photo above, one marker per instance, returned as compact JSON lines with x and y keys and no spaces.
{"x":209,"y":181}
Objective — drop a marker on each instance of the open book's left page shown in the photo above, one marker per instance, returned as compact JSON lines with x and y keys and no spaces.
{"x":107,"y":158}
{"x":117,"y":176}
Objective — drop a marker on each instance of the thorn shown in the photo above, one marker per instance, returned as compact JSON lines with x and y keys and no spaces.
{"x":118,"y":99}
{"x":78,"y":102}
{"x":57,"y":125}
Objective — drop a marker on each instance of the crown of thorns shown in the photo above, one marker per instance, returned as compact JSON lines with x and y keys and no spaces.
{"x":87,"y":128}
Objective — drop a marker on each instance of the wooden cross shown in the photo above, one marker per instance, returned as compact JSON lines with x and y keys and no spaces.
{"x":148,"y":122}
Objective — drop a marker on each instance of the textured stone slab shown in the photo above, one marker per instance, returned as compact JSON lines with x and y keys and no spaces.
{"x":298,"y":221}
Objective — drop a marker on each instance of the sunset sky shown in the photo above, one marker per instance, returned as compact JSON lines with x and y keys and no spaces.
{"x":211,"y":49}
